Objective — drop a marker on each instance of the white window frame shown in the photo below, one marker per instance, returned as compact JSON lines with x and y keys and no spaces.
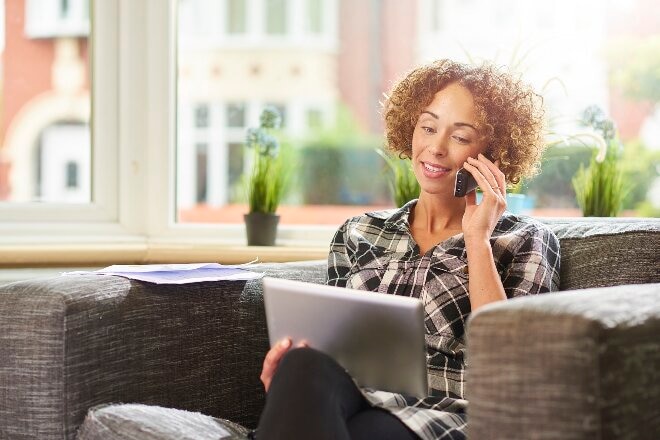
{"x":133,"y":125}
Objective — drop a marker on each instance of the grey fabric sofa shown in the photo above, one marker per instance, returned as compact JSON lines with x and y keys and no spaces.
{"x":579,"y":364}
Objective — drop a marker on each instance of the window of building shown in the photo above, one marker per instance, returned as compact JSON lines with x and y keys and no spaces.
{"x":202,"y":116}
{"x":51,"y":18}
{"x":202,"y":172}
{"x":314,"y":119}
{"x":236,"y":16}
{"x":315,"y":16}
{"x":236,"y":115}
{"x":72,"y":175}
{"x":276,"y":17}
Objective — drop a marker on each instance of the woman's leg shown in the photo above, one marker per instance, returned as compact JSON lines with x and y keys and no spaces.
{"x":310,"y":397}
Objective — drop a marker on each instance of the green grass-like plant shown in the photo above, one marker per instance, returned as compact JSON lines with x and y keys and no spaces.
{"x":267,"y":183}
{"x":402,"y":180}
{"x":600,"y":189}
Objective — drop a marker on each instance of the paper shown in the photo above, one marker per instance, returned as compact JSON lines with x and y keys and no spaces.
{"x":175,"y":273}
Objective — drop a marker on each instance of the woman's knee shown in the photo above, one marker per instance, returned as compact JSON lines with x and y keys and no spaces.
{"x":310,"y":370}
{"x":304,"y":361}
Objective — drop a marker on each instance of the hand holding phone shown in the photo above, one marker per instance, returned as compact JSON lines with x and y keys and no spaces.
{"x":465,"y":183}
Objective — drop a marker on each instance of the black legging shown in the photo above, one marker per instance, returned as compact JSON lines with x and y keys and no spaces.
{"x":312,"y":397}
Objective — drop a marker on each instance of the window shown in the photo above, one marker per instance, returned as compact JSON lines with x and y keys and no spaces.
{"x":64,"y":164}
{"x":202,"y":116}
{"x":71,"y":175}
{"x":236,"y":115}
{"x":314,"y":119}
{"x":236,"y":16}
{"x":202,"y":168}
{"x":276,"y":17}
{"x":53,"y":18}
{"x":315,"y":16}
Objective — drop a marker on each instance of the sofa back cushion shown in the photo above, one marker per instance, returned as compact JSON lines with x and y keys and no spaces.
{"x":607,"y":252}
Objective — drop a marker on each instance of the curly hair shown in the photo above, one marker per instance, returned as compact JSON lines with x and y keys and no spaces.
{"x":510,"y":115}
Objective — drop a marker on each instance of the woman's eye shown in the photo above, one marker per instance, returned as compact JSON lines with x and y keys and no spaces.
{"x":428,"y":130}
{"x":462,"y":140}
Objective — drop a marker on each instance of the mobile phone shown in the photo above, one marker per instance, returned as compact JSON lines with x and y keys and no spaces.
{"x":465,"y":183}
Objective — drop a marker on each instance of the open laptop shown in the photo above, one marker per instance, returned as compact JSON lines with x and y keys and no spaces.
{"x":378,"y":338}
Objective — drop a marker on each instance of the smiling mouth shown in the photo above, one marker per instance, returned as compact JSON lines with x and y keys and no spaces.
{"x":435,"y":168}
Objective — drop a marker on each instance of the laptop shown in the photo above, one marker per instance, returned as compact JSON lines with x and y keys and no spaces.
{"x":378,"y":338}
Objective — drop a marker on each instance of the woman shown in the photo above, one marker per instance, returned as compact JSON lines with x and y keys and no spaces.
{"x":452,"y":253}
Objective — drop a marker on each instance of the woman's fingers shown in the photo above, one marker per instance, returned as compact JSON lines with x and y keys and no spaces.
{"x":485,"y":171}
{"x":272,"y":359}
{"x":486,"y":186}
{"x":499,"y":175}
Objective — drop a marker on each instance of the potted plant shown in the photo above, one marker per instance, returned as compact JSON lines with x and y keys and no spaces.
{"x":600,"y":189}
{"x":267,"y":181}
{"x":403,"y":183}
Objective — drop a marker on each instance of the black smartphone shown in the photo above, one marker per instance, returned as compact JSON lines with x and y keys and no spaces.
{"x":464,"y":183}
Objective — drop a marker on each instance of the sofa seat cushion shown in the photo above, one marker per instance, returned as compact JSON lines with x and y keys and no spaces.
{"x":144,"y":422}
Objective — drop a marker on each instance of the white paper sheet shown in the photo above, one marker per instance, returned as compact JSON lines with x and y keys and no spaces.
{"x":175,"y":273}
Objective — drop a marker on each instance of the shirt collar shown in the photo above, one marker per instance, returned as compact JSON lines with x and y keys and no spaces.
{"x":399,"y":220}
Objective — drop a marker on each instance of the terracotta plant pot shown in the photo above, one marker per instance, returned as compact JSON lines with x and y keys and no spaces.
{"x":261,"y":228}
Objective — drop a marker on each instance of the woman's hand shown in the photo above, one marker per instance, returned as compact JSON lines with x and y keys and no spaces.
{"x":480,"y":220}
{"x":273,"y":358}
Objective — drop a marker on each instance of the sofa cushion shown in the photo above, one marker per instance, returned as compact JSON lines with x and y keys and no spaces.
{"x":607,"y":252}
{"x":143,"y":422}
{"x":570,"y":365}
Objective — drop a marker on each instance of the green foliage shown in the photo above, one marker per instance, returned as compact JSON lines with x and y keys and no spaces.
{"x":646,"y":209}
{"x":552,"y":186}
{"x":640,"y":168}
{"x":339,"y":166}
{"x":639,"y":75}
{"x":600,"y":189}
{"x":267,"y":182}
{"x":402,"y":180}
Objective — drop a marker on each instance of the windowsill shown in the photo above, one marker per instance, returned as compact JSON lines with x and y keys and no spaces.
{"x":103,"y":254}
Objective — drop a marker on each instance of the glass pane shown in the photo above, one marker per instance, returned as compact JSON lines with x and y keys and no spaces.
{"x":328,"y":89}
{"x":236,"y":115}
{"x":45,"y":155}
{"x":276,"y":17}
{"x":315,"y":16}
{"x":236,"y":18}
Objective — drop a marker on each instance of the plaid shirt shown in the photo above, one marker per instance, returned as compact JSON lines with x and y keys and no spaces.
{"x":376,"y":252}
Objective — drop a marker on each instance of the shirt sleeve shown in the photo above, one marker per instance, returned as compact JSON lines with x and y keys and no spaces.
{"x":338,"y":260}
{"x":535,"y":265}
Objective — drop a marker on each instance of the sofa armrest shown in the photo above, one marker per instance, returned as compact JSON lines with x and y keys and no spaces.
{"x":70,"y":343}
{"x":571,"y":365}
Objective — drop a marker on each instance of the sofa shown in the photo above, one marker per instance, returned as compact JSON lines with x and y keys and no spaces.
{"x":136,"y":360}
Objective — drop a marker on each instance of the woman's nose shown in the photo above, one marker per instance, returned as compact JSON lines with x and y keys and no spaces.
{"x":438,"y":146}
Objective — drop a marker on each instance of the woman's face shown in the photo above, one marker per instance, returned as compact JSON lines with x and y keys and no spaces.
{"x":445,"y":136}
